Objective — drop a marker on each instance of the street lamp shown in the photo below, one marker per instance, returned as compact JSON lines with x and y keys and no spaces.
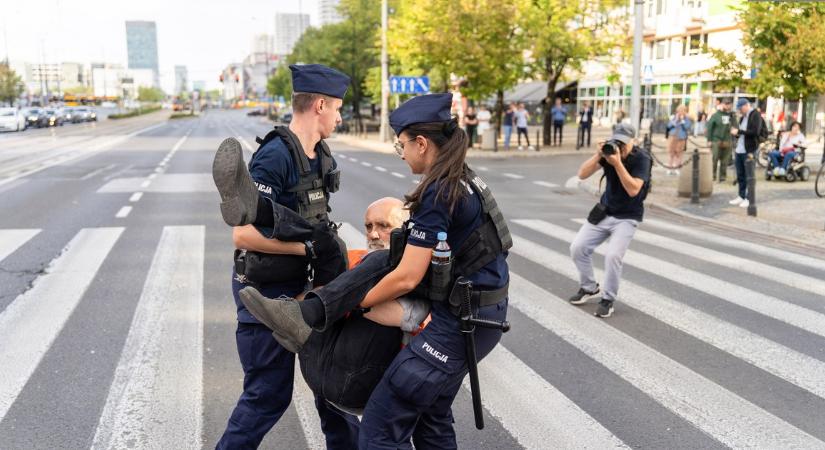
{"x":385,"y":85}
{"x":635,"y":92}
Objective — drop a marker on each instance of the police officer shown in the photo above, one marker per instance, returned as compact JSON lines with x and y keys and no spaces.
{"x":415,"y":394}
{"x":292,"y":168}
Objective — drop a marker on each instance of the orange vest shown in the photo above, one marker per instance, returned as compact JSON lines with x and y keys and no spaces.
{"x":354,"y":256}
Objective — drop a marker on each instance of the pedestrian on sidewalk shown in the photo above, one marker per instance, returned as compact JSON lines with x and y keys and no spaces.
{"x":585,"y":125}
{"x":616,"y":216}
{"x":678,"y":130}
{"x":747,"y":143}
{"x":484,"y":117}
{"x":701,"y":121}
{"x":718,"y":134}
{"x":507,"y":124}
{"x":522,"y":116}
{"x":471,"y":126}
{"x":559,"y":114}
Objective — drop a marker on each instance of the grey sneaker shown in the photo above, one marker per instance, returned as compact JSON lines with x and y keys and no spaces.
{"x":605,"y":308}
{"x":239,"y":195}
{"x":282,"y":316}
{"x":582,"y":296}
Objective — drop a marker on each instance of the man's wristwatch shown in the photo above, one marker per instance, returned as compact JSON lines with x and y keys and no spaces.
{"x":310,"y":250}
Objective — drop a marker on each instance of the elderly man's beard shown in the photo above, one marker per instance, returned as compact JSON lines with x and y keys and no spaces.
{"x":376,"y":244}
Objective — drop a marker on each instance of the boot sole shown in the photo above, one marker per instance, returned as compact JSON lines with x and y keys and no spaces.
{"x":239,"y":195}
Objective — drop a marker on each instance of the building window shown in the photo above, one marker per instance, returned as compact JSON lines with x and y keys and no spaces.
{"x":696,"y":42}
{"x":678,"y":88}
{"x":661,"y":6}
{"x":663,"y":48}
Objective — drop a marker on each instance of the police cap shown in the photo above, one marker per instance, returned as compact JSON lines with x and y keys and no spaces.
{"x":421,"y":109}
{"x":319,"y":79}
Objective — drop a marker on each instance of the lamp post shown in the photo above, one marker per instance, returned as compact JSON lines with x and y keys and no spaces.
{"x":635,"y":92}
{"x":385,"y":85}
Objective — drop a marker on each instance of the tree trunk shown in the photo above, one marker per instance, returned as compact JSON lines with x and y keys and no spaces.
{"x":499,"y":108}
{"x":553,"y":74}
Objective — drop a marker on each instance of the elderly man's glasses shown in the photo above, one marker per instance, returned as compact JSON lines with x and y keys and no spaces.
{"x":399,"y":146}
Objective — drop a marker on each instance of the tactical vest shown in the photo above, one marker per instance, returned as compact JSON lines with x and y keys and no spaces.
{"x":313,"y":187}
{"x":480,"y":248}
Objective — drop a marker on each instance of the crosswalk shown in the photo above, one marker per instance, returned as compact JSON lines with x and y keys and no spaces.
{"x":156,"y":395}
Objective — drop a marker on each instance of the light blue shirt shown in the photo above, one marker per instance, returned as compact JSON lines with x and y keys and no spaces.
{"x":559,"y":113}
{"x":743,"y":125}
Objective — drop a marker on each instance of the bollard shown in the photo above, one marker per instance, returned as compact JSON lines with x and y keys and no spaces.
{"x":647,"y":143}
{"x":495,"y":141}
{"x":538,"y":142}
{"x":750,"y":170}
{"x":694,"y":173}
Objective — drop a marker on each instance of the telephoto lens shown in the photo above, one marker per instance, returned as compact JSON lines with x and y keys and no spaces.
{"x":610,"y":147}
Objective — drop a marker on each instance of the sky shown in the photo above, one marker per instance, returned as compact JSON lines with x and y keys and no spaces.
{"x":203,"y":35}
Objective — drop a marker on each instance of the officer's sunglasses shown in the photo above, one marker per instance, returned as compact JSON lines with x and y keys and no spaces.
{"x":399,"y":146}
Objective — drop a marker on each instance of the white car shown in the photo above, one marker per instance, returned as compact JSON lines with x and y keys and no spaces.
{"x":12,"y":119}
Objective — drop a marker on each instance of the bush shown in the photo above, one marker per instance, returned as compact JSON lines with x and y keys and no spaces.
{"x":182,"y":115}
{"x":136,"y":112}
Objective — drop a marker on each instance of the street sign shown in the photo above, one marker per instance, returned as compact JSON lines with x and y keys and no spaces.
{"x":409,"y":85}
{"x":648,"y":73}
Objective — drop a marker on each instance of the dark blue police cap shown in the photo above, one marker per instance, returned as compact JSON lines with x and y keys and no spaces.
{"x":319,"y":79}
{"x":421,"y":109}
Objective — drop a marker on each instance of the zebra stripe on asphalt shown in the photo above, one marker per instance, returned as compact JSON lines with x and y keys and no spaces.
{"x":34,"y":319}
{"x":11,"y":240}
{"x":155,"y":399}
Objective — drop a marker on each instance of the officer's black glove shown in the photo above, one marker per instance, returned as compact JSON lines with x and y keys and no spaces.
{"x":330,"y":255}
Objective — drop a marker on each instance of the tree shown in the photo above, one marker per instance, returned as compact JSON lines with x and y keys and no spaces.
{"x":150,"y":94}
{"x":563,"y":34}
{"x":280,"y":83}
{"x":783,"y":42}
{"x":11,"y":85}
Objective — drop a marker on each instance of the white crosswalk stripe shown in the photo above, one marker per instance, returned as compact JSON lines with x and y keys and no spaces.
{"x":726,"y":417}
{"x":787,"y":312}
{"x":161,"y":369}
{"x":777,"y":274}
{"x":799,"y":369}
{"x":11,"y":240}
{"x":34,"y":319}
{"x":304,"y":402}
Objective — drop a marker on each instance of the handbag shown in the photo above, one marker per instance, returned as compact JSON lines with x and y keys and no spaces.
{"x":597,"y":214}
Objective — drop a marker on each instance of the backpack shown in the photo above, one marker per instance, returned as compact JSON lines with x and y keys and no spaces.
{"x":763,"y":134}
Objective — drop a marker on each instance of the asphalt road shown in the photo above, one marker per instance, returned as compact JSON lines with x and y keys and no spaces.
{"x":117,"y":323}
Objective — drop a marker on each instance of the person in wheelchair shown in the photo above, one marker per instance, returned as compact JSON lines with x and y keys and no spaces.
{"x":791,"y":144}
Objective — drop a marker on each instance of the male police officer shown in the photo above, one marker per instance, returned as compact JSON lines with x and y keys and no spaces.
{"x":620,"y":209}
{"x":292,"y":168}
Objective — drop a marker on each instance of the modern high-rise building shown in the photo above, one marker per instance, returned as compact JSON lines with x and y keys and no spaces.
{"x":288,"y":29}
{"x":181,"y":79}
{"x":142,"y":46}
{"x":328,"y":12}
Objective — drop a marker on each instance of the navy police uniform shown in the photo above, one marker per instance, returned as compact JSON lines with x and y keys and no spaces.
{"x":269,"y":368}
{"x":414,"y":397}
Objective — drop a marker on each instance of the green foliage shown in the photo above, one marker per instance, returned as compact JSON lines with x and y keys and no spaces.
{"x":150,"y":94}
{"x":11,"y":85}
{"x":136,"y":112}
{"x":280,"y":83}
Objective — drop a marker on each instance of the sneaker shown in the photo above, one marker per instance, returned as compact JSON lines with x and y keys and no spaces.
{"x":676,"y":172}
{"x":605,"y":308}
{"x":782,"y":172}
{"x":737,"y":201}
{"x":582,"y":296}
{"x":531,"y":147}
{"x":669,"y":172}
{"x":745,"y":203}
{"x":520,"y":148}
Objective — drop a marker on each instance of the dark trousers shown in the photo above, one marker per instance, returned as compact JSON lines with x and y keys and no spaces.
{"x":471,"y":135}
{"x":741,"y":174}
{"x":558,"y":125}
{"x":583,"y":128}
{"x":524,"y":132}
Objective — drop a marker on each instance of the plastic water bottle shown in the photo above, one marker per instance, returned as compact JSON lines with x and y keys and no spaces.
{"x":441,"y":264}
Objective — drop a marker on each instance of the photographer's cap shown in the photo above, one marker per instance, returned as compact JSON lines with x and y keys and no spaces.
{"x":623,"y":133}
{"x":742,"y":102}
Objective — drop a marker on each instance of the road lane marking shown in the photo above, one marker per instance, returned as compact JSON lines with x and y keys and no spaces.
{"x":723,"y":415}
{"x":11,"y":240}
{"x":777,"y":359}
{"x":380,"y":169}
{"x":135,"y":197}
{"x":123,"y":212}
{"x":353,"y":159}
{"x":146,"y":183}
{"x":772,"y":307}
{"x":749,"y":266}
{"x":398,"y":175}
{"x":35,"y":318}
{"x":155,"y":399}
{"x":514,"y":176}
{"x":729,"y":242}
{"x":98,"y":171}
{"x":482,"y":169}
{"x":532,"y":410}
{"x":366,"y":164}
{"x":545,"y":184}
{"x":304,"y":402}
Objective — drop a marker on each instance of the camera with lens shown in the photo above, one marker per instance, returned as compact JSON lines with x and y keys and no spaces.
{"x":610,"y":147}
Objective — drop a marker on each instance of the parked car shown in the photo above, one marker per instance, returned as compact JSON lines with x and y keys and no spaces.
{"x":68,"y":114}
{"x":36,"y":117}
{"x":12,"y":119}
{"x":286,"y":118}
{"x":84,"y":114}
{"x":55,"y":118}
{"x":257,"y":112}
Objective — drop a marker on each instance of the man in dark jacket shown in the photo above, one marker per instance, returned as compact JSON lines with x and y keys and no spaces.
{"x":746,"y":144}
{"x":585,"y":124}
{"x":718,"y":132}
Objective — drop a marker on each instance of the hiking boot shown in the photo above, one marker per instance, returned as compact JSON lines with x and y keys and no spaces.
{"x":239,"y":195}
{"x":605,"y":308}
{"x":281,"y":315}
{"x":582,"y":296}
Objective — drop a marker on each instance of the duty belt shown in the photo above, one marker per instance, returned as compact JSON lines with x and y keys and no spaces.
{"x":488,"y":298}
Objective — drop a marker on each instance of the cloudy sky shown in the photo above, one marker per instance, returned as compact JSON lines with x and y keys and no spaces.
{"x":203,"y":35}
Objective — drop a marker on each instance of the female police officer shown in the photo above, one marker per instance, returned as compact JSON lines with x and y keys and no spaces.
{"x":414,"y":397}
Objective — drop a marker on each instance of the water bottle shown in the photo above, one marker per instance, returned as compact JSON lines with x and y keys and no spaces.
{"x":441,"y":264}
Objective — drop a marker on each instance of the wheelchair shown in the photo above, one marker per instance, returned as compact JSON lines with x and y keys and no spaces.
{"x":798,"y":169}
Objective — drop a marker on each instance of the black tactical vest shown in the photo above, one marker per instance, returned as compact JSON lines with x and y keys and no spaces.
{"x":313,"y":188}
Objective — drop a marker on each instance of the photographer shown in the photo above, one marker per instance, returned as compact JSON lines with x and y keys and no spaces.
{"x":616,"y":216}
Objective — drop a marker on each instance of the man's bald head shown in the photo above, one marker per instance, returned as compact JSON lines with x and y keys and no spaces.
{"x":382,"y":216}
